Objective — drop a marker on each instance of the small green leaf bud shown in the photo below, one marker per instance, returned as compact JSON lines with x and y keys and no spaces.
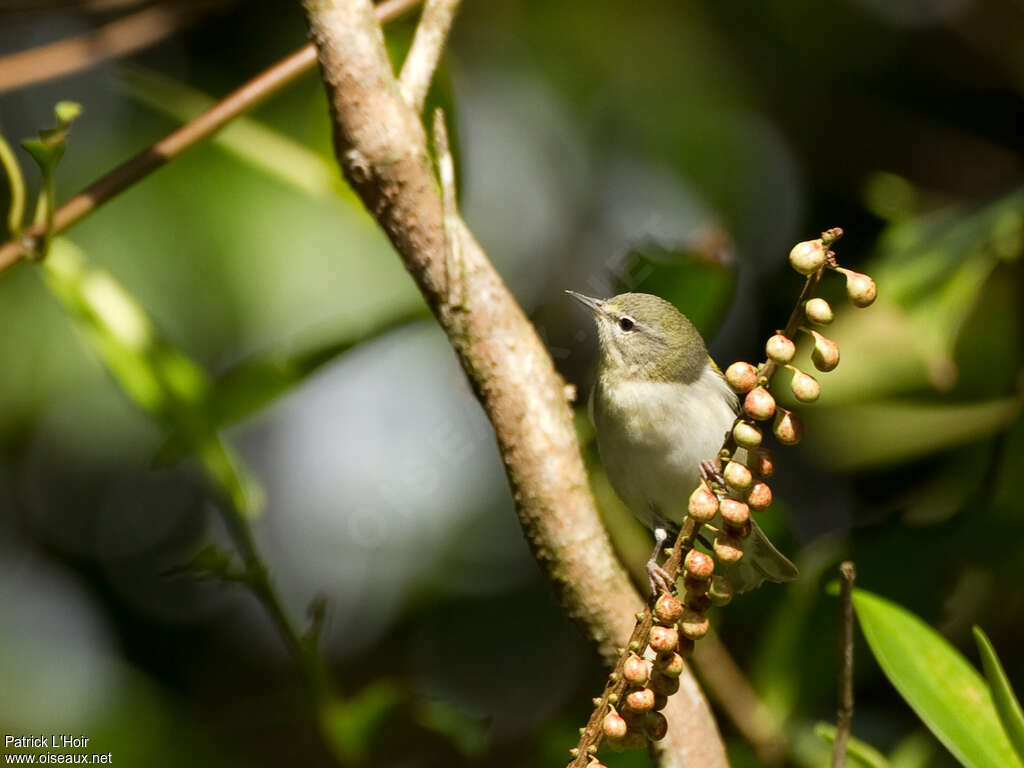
{"x":825,"y":355}
{"x":818,"y":312}
{"x":698,"y":565}
{"x":667,"y":610}
{"x":746,"y":434}
{"x":807,"y":257}
{"x":780,"y":349}
{"x":742,"y":377}
{"x":805,"y":387}
{"x":703,"y":504}
{"x":759,"y":404}
{"x":663,"y":639}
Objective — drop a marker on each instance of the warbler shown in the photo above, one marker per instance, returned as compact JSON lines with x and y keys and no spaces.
{"x":660,"y":407}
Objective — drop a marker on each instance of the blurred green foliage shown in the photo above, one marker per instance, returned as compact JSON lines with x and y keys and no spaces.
{"x":679,"y":148}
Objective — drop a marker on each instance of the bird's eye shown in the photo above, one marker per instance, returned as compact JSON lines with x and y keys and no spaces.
{"x":626,"y":323}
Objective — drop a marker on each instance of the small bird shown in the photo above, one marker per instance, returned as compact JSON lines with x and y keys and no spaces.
{"x":661,"y":407}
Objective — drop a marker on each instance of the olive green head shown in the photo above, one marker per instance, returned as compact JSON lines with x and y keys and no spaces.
{"x":645,"y":337}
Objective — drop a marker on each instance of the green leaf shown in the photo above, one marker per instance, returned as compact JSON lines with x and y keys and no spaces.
{"x":858,"y":750}
{"x":48,"y":148}
{"x":153,"y":373}
{"x":944,"y":690}
{"x":349,"y":727}
{"x":1007,"y":706}
{"x":847,"y":437}
{"x":210,"y":562}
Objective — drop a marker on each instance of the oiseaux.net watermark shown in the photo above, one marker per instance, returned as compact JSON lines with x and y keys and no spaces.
{"x":51,"y":749}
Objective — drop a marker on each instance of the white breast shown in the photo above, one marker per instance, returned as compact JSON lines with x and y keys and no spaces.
{"x":652,"y":437}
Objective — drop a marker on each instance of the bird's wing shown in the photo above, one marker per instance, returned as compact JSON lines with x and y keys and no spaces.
{"x":761,"y":562}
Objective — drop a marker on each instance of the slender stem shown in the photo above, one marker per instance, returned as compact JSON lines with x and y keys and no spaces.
{"x":844,"y":716}
{"x":16,"y":183}
{"x":242,"y":99}
{"x":427,"y":46}
{"x":119,"y":37}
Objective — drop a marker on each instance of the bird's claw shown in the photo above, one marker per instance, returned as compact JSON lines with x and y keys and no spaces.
{"x":709,"y":471}
{"x":658,"y":579}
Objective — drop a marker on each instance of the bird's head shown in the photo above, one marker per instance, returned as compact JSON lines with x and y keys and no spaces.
{"x":645,"y":337}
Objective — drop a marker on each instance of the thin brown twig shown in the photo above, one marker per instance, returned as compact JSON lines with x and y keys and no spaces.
{"x":426,"y":49}
{"x":119,"y":37}
{"x":242,"y":99}
{"x":844,"y":716}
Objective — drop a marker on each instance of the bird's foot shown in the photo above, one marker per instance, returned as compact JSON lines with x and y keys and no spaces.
{"x":658,"y":579}
{"x":709,"y":472}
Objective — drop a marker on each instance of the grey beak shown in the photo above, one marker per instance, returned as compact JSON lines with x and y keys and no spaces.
{"x":593,"y":304}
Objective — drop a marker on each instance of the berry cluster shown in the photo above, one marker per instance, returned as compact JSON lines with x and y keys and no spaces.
{"x":628,"y":714}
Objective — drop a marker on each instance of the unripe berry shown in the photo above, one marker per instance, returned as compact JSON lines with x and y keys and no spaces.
{"x":656,"y":726}
{"x":746,"y":434}
{"x":807,"y":257}
{"x":669,"y":664}
{"x":805,"y":387}
{"x":698,"y":565}
{"x":694,"y":624}
{"x":760,"y":496}
{"x":759,"y":404}
{"x":825,"y":355}
{"x":818,"y":312}
{"x":742,"y":377}
{"x":860,"y":288}
{"x":728,"y":548}
{"x":640,"y":700}
{"x":635,"y":670}
{"x":762,"y":463}
{"x":720,"y":591}
{"x":664,"y":684}
{"x":660,"y":701}
{"x":737,"y":476}
{"x":614,"y":726}
{"x":699,"y":601}
{"x":703,"y":504}
{"x":735,"y":513}
{"x":788,"y":428}
{"x":780,"y":349}
{"x":663,"y":639}
{"x":667,"y":610}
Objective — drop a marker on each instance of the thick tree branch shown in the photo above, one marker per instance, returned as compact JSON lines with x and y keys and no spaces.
{"x":427,"y":45}
{"x":381,"y":146}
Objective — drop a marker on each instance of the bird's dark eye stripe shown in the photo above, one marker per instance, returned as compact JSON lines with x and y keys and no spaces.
{"x":626,"y":323}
